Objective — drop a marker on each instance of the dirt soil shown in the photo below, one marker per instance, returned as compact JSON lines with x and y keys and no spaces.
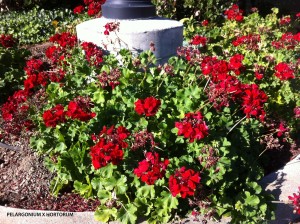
{"x":25,"y":182}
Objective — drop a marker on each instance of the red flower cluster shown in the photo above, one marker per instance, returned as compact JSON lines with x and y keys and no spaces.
{"x":236,"y":64}
{"x":297,"y":112}
{"x":184,"y":182}
{"x":148,"y":106}
{"x":56,"y":54}
{"x":9,"y":108}
{"x":250,"y":41}
{"x":80,"y":109}
{"x":151,"y":168}
{"x":192,"y":126}
{"x":143,"y":140}
{"x":259,"y":75}
{"x":54,"y":116}
{"x":253,"y":101}
{"x":65,"y":40}
{"x":15,"y":112}
{"x":296,"y":201}
{"x":7,"y":41}
{"x":36,"y":75}
{"x":34,"y":67}
{"x":259,"y":71}
{"x":199,"y":40}
{"x":94,"y":6}
{"x":207,"y":65}
{"x":111,"y":79}
{"x":234,"y":13}
{"x":283,"y":71}
{"x":109,"y":146}
{"x":204,"y":23}
{"x":93,"y":53}
{"x":219,"y":69}
{"x":78,"y":9}
{"x":281,"y":129}
{"x":223,"y":87}
{"x":287,"y":41}
{"x":110,"y":27}
{"x":285,"y":20}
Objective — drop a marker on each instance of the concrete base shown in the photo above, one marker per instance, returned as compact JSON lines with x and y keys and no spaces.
{"x":281,"y":184}
{"x":135,"y":35}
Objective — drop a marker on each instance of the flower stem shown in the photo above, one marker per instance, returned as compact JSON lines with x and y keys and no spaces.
{"x":206,"y":84}
{"x":237,"y":124}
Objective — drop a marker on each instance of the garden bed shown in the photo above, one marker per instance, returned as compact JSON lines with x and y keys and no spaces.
{"x":195,"y":135}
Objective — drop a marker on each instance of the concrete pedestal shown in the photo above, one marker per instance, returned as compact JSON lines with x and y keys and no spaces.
{"x":135,"y":35}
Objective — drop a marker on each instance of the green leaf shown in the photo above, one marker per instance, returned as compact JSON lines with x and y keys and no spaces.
{"x":121,"y":185}
{"x":127,"y":214}
{"x":252,"y":200}
{"x":146,"y":191}
{"x":60,"y":147}
{"x":82,"y":188}
{"x":103,"y":214}
{"x":58,"y":135}
{"x":143,"y":123}
{"x":78,"y":151}
{"x":118,"y":185}
{"x":104,"y":196}
{"x":99,"y":97}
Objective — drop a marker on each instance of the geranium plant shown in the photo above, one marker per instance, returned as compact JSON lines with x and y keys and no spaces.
{"x":159,"y":142}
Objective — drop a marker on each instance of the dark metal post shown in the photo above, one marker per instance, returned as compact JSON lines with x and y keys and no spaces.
{"x":128,"y":9}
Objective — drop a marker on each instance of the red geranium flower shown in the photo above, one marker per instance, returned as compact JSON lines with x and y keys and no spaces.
{"x":143,"y":140}
{"x":235,"y":64}
{"x":204,"y":23}
{"x":80,"y":109}
{"x":54,"y":116}
{"x":258,"y":75}
{"x":79,"y":9}
{"x":192,"y":126}
{"x":199,"y":40}
{"x":65,"y":40}
{"x":281,"y":129}
{"x":283,"y":71}
{"x":297,"y":112}
{"x":250,"y":41}
{"x":285,"y":20}
{"x":105,"y":152}
{"x":234,"y":13}
{"x":7,"y":41}
{"x":296,"y":201}
{"x":108,"y":148}
{"x":93,"y":53}
{"x":253,"y":101}
{"x":94,"y":8}
{"x":184,"y":182}
{"x":148,"y":106}
{"x":151,"y":168}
